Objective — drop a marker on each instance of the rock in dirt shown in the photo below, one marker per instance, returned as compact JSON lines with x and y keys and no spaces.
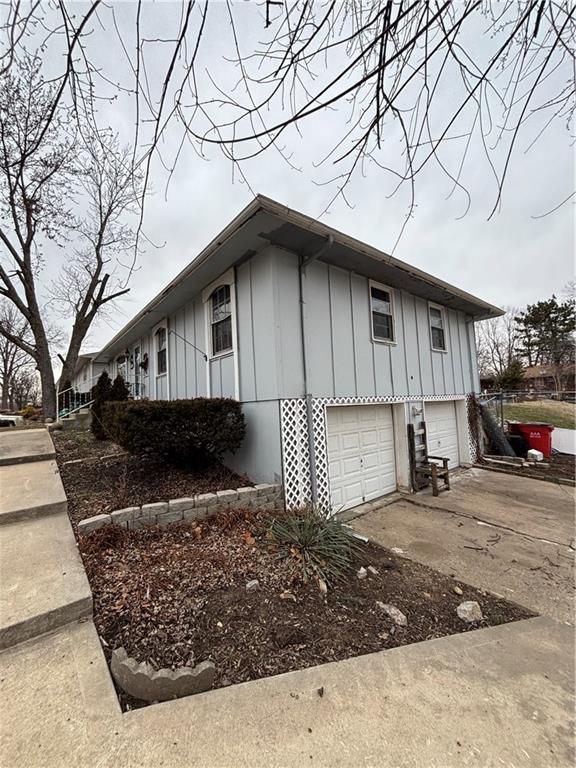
{"x":373,"y":571}
{"x":457,"y":590}
{"x":469,"y":611}
{"x":252,"y":585}
{"x":362,"y":573}
{"x":395,"y":613}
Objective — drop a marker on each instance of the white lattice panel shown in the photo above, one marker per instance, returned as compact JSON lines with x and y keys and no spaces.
{"x":295,"y":452}
{"x":473,"y":437}
{"x":321,"y":451}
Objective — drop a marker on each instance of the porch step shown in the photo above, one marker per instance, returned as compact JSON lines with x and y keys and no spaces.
{"x":43,"y":584}
{"x":29,"y":491}
{"x":78,"y":420}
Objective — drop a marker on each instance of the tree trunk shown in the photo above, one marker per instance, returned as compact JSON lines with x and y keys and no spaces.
{"x":5,"y":387}
{"x":79,"y":332}
{"x":48,"y":387}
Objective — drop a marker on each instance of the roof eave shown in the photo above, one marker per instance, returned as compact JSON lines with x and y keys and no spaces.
{"x":268,"y":205}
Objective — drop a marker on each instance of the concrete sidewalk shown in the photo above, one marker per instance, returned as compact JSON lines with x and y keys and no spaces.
{"x":499,"y":696}
{"x":25,"y":445}
{"x":43,"y":584}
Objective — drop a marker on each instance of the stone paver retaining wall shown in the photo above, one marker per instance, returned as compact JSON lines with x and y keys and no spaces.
{"x":266,"y":496}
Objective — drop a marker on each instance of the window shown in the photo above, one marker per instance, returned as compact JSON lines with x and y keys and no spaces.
{"x":221,"y":319}
{"x":161,"y":352}
{"x":437,"y":328}
{"x":382,"y":308}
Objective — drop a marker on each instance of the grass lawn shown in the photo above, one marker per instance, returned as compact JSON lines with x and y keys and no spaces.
{"x":559,"y":414}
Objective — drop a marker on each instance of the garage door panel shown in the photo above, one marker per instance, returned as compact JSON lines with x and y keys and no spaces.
{"x":371,"y":460}
{"x":352,"y":495}
{"x":351,"y":466}
{"x":361,"y":459}
{"x":442,"y":431}
{"x":350,"y":441}
{"x":369,"y":439}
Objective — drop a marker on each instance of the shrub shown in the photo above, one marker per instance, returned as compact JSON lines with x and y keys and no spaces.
{"x":103,"y":392}
{"x":180,"y":431}
{"x":323,"y":546}
{"x":120,"y":390}
{"x":100,"y":395}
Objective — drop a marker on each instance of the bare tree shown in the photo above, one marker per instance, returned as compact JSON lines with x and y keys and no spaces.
{"x":497,"y":343}
{"x":12,"y":358}
{"x":62,"y":184}
{"x":110,"y":187}
{"x":423,"y":75}
{"x":24,"y":389}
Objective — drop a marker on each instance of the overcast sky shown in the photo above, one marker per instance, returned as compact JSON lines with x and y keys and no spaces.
{"x":516,"y":257}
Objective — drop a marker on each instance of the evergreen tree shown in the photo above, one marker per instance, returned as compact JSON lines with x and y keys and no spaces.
{"x":511,"y":378}
{"x":547,"y":332}
{"x":101,"y":393}
{"x":120,"y":390}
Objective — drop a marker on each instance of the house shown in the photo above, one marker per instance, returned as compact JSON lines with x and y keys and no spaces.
{"x":541,"y":378}
{"x":332,"y":347}
{"x":86,"y":372}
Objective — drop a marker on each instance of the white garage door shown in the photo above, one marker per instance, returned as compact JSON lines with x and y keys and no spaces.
{"x":361,"y":462}
{"x":442,"y":431}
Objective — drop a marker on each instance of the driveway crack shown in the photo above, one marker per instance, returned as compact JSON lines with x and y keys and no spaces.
{"x":510,"y":529}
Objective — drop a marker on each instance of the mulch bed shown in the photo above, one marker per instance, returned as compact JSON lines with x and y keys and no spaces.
{"x":177,"y":596}
{"x":561,"y":466}
{"x":99,"y":477}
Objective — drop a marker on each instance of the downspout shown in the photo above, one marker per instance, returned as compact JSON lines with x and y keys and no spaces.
{"x":471,"y":322}
{"x":302,"y":264}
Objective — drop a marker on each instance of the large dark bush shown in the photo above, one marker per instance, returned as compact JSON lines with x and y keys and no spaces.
{"x":181,"y":431}
{"x":103,"y":392}
{"x":100,"y":395}
{"x":120,"y":389}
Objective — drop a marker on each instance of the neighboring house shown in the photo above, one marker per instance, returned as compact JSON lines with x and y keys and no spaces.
{"x":86,"y":372}
{"x":331,"y":346}
{"x":540,"y":378}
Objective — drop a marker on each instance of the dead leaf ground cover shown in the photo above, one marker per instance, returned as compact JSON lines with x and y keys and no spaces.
{"x":99,"y":477}
{"x":178,"y":596}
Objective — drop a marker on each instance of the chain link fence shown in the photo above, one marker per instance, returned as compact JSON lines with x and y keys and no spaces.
{"x":497,"y":402}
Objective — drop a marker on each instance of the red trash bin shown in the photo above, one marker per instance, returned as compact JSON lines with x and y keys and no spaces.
{"x":538,"y":436}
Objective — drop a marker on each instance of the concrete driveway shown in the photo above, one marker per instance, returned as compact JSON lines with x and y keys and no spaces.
{"x":510,"y":535}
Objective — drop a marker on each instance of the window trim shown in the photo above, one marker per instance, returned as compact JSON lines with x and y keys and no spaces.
{"x":389,"y":290}
{"x":157,"y":329}
{"x":442,"y":310}
{"x":227,"y":278}
{"x":230,"y":350}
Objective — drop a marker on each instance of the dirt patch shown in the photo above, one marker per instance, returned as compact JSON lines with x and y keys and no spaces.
{"x":560,"y":466}
{"x":99,"y":477}
{"x":177,"y":596}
